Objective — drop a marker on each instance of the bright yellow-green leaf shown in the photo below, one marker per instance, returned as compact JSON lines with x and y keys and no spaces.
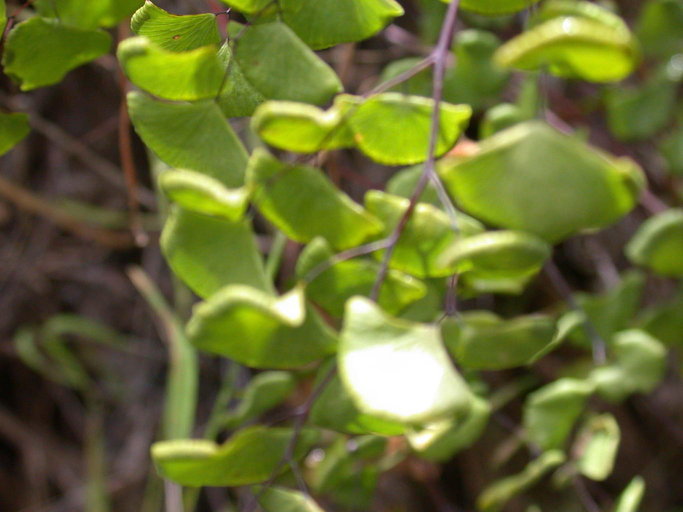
{"x":379,"y":127}
{"x":40,"y":51}
{"x":325,"y":23}
{"x":90,"y":14}
{"x":3,"y":16}
{"x":658,"y":244}
{"x":378,"y":352}
{"x":249,"y":457}
{"x":573,"y":47}
{"x":278,"y":499}
{"x":576,"y":188}
{"x":304,"y":204}
{"x":208,"y":253}
{"x":260,"y":330}
{"x":281,"y":67}
{"x":494,"y":7}
{"x":481,"y":340}
{"x":550,"y":412}
{"x":201,"y":193}
{"x":193,"y":136}
{"x":300,"y":127}
{"x":442,"y":440}
{"x":428,"y":232}
{"x":175,"y":33}
{"x":249,"y":6}
{"x":597,"y":444}
{"x":182,"y":76}
{"x":500,"y":492}
{"x":13,"y":128}
{"x":630,"y":498}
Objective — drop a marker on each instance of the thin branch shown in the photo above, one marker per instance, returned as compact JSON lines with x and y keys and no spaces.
{"x":349,"y":254}
{"x":588,"y":502}
{"x":440,"y":59}
{"x":597,"y":342}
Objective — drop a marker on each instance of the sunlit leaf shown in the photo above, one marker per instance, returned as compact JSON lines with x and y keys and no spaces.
{"x":90,"y":14}
{"x":376,"y":354}
{"x":500,"y":492}
{"x":304,"y":204}
{"x":576,"y":188}
{"x":379,"y":127}
{"x":260,"y":330}
{"x":175,"y":33}
{"x":181,"y":76}
{"x":630,"y":498}
{"x":550,"y":412}
{"x":281,"y":67}
{"x":250,"y":456}
{"x":208,"y":253}
{"x":278,"y":499}
{"x":658,"y":244}
{"x":13,"y":128}
{"x":638,"y":367}
{"x":325,"y":23}
{"x":442,"y":440}
{"x":40,"y":51}
{"x":333,"y":286}
{"x":494,"y":7}
{"x":598,"y":443}
{"x":193,"y":136}
{"x":249,"y":6}
{"x":574,"y":47}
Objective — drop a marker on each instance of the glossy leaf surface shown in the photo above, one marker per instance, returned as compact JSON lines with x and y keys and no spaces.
{"x":259,"y":330}
{"x":398,"y":370}
{"x":303,"y":203}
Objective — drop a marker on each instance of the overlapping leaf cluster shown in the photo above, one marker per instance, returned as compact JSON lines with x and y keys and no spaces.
{"x":394,"y":366}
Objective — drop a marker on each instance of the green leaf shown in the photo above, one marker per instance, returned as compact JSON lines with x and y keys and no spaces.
{"x":497,"y":255}
{"x":40,"y":52}
{"x":376,"y":354}
{"x":665,"y":322}
{"x":201,"y":193}
{"x":175,"y":33}
{"x":300,"y":127}
{"x":264,"y":391}
{"x":181,"y":76}
{"x":481,"y":340}
{"x":576,"y":188}
{"x":238,"y":97}
{"x":13,"y":129}
{"x":332,"y":287}
{"x":3,"y":16}
{"x":658,"y":244}
{"x":193,"y":136}
{"x":672,"y":151}
{"x":639,"y":365}
{"x":597,"y":444}
{"x":304,"y":204}
{"x":379,"y":127}
{"x":281,"y":67}
{"x":442,"y":440}
{"x":278,"y":499}
{"x":209,"y":253}
{"x":580,"y":9}
{"x":249,"y":6}
{"x":494,"y":7}
{"x":325,"y":23}
{"x":574,"y":47}
{"x":428,"y":232}
{"x":264,"y":331}
{"x":630,"y":498}
{"x":500,"y":117}
{"x":500,"y":492}
{"x":88,"y":15}
{"x":250,"y":456}
{"x":550,"y":412}
{"x":659,"y":27}
{"x":335,"y":409}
